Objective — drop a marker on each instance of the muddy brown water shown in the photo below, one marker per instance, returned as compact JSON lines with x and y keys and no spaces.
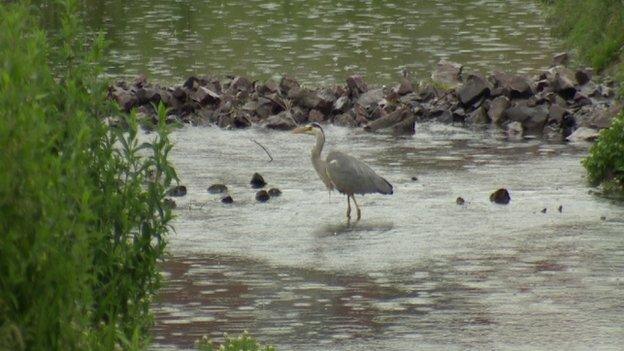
{"x":418,"y":272}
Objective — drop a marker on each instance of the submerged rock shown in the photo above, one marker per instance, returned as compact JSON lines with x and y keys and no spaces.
{"x":500,"y":196}
{"x":227,"y":199}
{"x":460,"y":201}
{"x":217,"y":189}
{"x":583,"y":134}
{"x":282,"y":121}
{"x":170,"y":203}
{"x":177,"y":191}
{"x":475,"y":87}
{"x":262,"y":196}
{"x":257,"y":181}
{"x":274,"y":192}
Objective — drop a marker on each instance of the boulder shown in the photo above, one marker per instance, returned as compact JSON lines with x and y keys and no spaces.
{"x":373,"y":96}
{"x":241,"y":84}
{"x":356,"y":85}
{"x":345,"y":120}
{"x":281,"y":121}
{"x":561,"y":59}
{"x":500,"y":196}
{"x":342,"y":104}
{"x":514,"y":130}
{"x":519,"y":87}
{"x":307,"y":98}
{"x":603,"y":117}
{"x":326,"y":101}
{"x":405,"y":127}
{"x":556,"y":114}
{"x":125,"y":98}
{"x":497,"y":109}
{"x":478,"y":116}
{"x":583,"y":76}
{"x":287,"y":83}
{"x":405,"y":87}
{"x":473,"y":89}
{"x":227,"y":199}
{"x":316,"y":116}
{"x":205,"y":96}
{"x":448,"y":73}
{"x":583,"y":134}
{"x":532,"y":119}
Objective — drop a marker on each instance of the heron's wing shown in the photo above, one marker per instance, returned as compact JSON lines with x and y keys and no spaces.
{"x":352,"y":176}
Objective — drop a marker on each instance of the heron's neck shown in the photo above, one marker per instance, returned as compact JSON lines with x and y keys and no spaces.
{"x":318,"y":148}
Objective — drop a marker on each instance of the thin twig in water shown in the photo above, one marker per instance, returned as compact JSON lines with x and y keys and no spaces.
{"x":263,"y":148}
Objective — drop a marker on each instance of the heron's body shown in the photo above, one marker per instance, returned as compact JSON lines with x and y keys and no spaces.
{"x":343,"y":172}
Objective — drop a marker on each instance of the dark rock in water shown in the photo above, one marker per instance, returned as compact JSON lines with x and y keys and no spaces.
{"x":563,"y":84}
{"x":345,"y":120}
{"x":217,"y":189}
{"x":179,"y":93}
{"x":179,"y":190}
{"x":460,"y":201}
{"x":146,"y":95}
{"x":287,"y":83}
{"x":262,"y":196}
{"x":447,"y":73}
{"x":544,"y":210}
{"x":205,"y":96}
{"x":308,"y":98}
{"x":532,"y":119}
{"x":299,"y":115}
{"x":356,"y":85}
{"x":475,"y":87}
{"x":191,"y":83}
{"x":405,"y":127}
{"x":497,"y":109}
{"x":415,"y":179}
{"x":257,"y":181}
{"x":274,"y":192}
{"x":568,"y":125}
{"x":170,"y":203}
{"x":281,"y":121}
{"x":227,"y":199}
{"x":560,"y":208}
{"x":316,"y":116}
{"x":445,"y":117}
{"x":561,"y":59}
{"x":583,"y":134}
{"x":326,"y":100}
{"x":267,"y":88}
{"x":500,"y":196}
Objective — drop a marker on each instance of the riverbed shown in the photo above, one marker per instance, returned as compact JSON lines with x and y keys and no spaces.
{"x":418,"y":271}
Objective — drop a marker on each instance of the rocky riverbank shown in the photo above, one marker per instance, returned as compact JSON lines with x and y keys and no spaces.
{"x":557,"y":104}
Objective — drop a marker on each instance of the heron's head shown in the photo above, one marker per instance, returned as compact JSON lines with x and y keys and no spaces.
{"x":311,"y":128}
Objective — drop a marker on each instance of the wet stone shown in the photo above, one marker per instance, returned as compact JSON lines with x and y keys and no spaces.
{"x":170,"y":203}
{"x":262,"y":196}
{"x":274,"y":192}
{"x":460,"y":201}
{"x":217,"y":189}
{"x":500,"y":196}
{"x":179,"y":190}
{"x":257,"y":181}
{"x":227,"y":199}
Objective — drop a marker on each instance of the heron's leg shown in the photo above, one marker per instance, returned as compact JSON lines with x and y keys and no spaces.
{"x":359,"y":213}
{"x":348,"y":207}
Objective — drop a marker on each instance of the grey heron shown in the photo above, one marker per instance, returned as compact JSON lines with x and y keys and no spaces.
{"x":343,"y":172}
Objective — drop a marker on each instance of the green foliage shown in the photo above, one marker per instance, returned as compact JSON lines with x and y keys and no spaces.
{"x":242,"y":343}
{"x":605,"y":163}
{"x":594,"y":27}
{"x":83,"y":221}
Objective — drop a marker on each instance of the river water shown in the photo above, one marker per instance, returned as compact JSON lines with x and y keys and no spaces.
{"x":418,"y":271}
{"x":319,"y":41}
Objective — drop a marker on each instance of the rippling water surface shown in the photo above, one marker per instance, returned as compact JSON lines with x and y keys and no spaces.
{"x":418,"y":272}
{"x":319,"y":41}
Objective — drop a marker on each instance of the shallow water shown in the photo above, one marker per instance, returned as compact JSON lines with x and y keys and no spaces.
{"x":319,"y":41}
{"x":418,"y":271}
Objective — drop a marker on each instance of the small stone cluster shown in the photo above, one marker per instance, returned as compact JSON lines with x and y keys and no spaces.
{"x":554,"y":104}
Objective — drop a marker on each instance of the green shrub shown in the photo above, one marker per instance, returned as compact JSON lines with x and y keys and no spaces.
{"x":242,"y":343}
{"x":82,"y":215}
{"x":605,"y":163}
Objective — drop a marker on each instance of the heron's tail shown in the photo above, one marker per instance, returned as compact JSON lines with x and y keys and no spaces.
{"x":383,"y":186}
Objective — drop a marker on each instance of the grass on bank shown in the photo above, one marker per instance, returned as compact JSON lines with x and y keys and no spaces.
{"x":82,"y":215}
{"x":595,"y":28}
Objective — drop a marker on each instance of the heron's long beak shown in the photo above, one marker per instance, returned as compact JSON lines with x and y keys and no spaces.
{"x":300,"y":130}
